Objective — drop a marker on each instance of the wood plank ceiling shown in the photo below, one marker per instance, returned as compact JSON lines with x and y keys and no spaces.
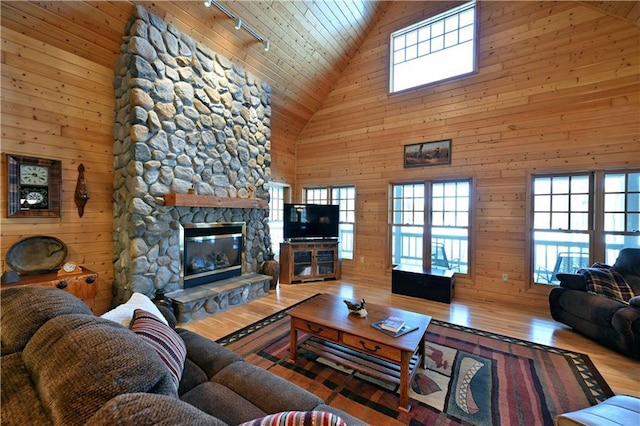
{"x":311,"y":42}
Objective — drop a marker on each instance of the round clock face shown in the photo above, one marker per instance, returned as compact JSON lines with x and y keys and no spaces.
{"x":34,"y":175}
{"x":69,"y":267}
{"x":34,"y":198}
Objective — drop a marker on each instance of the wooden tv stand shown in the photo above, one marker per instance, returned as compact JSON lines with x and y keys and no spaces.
{"x":310,"y":260}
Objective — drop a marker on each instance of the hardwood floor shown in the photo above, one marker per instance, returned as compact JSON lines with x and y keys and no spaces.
{"x":621,"y":373}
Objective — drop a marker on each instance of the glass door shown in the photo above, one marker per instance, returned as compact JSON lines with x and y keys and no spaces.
{"x":302,"y":263}
{"x":325,"y":264}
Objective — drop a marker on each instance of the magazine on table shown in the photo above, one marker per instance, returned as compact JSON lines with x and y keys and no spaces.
{"x":406,"y":328}
{"x":393,"y":324}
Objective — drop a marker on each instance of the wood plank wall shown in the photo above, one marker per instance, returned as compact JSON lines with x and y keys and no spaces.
{"x":57,"y":103}
{"x":557,"y":90}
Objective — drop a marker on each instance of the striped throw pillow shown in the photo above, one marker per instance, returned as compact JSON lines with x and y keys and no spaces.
{"x":298,"y":418}
{"x":167,"y":343}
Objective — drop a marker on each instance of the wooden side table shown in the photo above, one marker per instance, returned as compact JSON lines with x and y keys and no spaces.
{"x":83,"y":285}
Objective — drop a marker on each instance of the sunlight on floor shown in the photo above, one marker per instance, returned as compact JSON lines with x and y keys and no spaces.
{"x":542,"y":331}
{"x":459,"y":315}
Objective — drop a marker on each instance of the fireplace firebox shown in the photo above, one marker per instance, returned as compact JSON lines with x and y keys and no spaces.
{"x":211,"y":252}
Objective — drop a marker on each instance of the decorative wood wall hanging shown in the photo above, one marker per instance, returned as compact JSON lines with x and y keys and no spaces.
{"x":81,"y":196}
{"x":34,"y":187}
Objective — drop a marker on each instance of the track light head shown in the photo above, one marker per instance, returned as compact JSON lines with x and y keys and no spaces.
{"x":207,"y":3}
{"x":266,"y":45}
{"x":238,"y":24}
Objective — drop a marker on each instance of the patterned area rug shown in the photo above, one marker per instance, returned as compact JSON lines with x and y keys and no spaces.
{"x":472,"y":378}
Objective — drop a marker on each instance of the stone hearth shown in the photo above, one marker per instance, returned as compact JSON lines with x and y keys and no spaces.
{"x":202,"y":301}
{"x":187,"y":121}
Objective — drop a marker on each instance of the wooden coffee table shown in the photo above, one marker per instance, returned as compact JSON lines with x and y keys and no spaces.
{"x":351,"y":341}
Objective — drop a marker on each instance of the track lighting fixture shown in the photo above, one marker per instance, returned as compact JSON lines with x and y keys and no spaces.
{"x":239,"y":23}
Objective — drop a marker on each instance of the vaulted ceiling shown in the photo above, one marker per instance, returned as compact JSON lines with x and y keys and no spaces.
{"x":311,"y":42}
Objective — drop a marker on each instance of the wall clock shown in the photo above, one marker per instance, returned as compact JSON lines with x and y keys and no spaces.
{"x":33,"y":186}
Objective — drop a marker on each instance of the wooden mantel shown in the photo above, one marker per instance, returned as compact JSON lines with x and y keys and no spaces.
{"x":194,"y":200}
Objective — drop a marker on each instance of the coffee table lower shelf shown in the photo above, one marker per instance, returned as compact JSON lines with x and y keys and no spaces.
{"x":367,"y":364}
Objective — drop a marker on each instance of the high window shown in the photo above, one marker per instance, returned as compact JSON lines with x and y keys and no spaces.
{"x":434,"y":233}
{"x":438,"y":48}
{"x":345,"y":197}
{"x":581,"y":218}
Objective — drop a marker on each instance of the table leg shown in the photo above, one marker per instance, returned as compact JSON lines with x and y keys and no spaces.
{"x":405,"y":358}
{"x":293,"y":349}
{"x":422,"y":350}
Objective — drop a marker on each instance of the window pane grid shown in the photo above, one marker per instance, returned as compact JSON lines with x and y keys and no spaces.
{"x":582,"y":216}
{"x":345,"y":196}
{"x":316,"y":195}
{"x":558,"y":199}
{"x":276,"y":215}
{"x":622,"y":202}
{"x":432,"y":36}
{"x":449,"y":224}
{"x":418,"y":51}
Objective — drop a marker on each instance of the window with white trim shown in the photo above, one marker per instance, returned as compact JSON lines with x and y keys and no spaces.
{"x":436,"y":49}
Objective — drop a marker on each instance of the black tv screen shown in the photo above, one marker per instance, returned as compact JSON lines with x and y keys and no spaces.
{"x":308,"y":221}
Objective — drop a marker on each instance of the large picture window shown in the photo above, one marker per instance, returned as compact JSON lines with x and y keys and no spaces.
{"x":438,"y":48}
{"x":434,"y":233}
{"x":581,"y":218}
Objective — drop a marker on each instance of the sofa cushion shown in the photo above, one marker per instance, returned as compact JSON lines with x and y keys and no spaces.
{"x":287,"y":418}
{"x":268,"y":392}
{"x":219,"y":401}
{"x":209,"y":356}
{"x":163,"y":339}
{"x":123,"y":314}
{"x":79,"y":362}
{"x":25,"y":309}
{"x":142,"y":409}
{"x":572,"y":281}
{"x":20,"y":402}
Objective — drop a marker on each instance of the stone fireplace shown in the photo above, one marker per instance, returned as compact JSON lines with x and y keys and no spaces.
{"x":191,"y":152}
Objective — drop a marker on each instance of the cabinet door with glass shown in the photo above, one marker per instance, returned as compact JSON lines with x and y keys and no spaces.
{"x":325,"y":262}
{"x":303,"y":263}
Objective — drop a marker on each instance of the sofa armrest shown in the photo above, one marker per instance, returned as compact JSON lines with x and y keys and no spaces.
{"x":572,"y":281}
{"x":626,"y":322}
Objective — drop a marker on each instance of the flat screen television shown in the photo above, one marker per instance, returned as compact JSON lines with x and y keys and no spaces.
{"x":311,"y":221}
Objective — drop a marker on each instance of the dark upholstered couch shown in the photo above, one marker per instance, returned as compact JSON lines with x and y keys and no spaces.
{"x":62,"y":365}
{"x":612,"y":323}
